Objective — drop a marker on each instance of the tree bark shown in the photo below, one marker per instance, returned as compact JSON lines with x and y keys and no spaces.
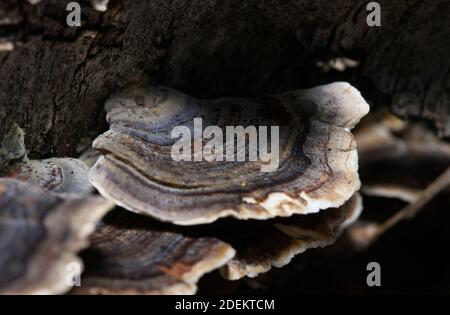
{"x":56,"y":78}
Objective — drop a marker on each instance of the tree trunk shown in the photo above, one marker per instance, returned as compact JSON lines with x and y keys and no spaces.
{"x":56,"y":78}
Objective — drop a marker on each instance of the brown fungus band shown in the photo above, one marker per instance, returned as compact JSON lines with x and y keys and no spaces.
{"x":317,"y":167}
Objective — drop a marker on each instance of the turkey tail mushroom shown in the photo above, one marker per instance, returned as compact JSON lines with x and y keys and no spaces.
{"x":40,"y":234}
{"x":318,"y":163}
{"x":398,"y":159}
{"x":134,"y":255}
{"x":275,"y":242}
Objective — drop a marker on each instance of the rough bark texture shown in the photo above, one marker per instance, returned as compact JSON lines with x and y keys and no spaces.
{"x":54,"y":81}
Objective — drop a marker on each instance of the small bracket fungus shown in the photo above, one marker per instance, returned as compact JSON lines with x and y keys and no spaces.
{"x":132,"y":255}
{"x":59,"y":175}
{"x":318,"y":163}
{"x":40,"y":234}
{"x":100,"y":5}
{"x":398,"y":159}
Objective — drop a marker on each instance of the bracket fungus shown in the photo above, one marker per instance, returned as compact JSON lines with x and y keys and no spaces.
{"x":318,"y":163}
{"x":398,"y":159}
{"x":59,"y":175}
{"x":261,"y":245}
{"x":100,"y":5}
{"x":133,"y":255}
{"x":40,"y":234}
